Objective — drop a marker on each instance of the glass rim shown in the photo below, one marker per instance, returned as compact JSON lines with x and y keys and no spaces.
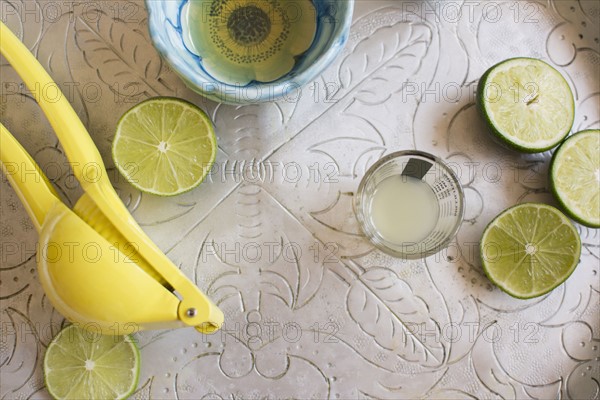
{"x":358,"y":212}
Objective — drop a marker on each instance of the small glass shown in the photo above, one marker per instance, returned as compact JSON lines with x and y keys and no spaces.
{"x":410,"y":204}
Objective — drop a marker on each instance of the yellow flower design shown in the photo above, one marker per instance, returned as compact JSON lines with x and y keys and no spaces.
{"x":244,"y":40}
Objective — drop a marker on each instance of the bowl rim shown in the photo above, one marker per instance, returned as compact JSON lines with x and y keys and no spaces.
{"x":227,"y":93}
{"x":423,"y":253}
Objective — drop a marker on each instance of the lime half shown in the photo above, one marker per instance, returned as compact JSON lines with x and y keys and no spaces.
{"x":575,"y":177}
{"x":527,"y":104}
{"x":164,"y":146}
{"x":82,"y":365}
{"x":530,"y":249}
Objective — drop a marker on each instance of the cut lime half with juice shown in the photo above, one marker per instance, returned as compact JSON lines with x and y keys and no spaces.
{"x":164,"y":146}
{"x":530,"y":249}
{"x":83,"y":365}
{"x":575,"y":177}
{"x":527,"y":104}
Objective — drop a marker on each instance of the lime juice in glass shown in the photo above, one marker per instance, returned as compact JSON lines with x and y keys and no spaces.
{"x":409,"y":204}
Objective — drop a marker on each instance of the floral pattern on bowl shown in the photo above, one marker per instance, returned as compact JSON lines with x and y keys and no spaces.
{"x":241,"y":41}
{"x":167,"y":31}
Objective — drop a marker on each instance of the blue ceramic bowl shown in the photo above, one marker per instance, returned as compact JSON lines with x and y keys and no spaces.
{"x":333,"y":24}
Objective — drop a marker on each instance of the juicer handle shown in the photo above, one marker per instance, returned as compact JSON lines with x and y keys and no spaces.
{"x":74,"y":137}
{"x":27,"y":179}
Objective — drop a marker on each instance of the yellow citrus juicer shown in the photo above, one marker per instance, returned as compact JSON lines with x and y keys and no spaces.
{"x":97,"y":266}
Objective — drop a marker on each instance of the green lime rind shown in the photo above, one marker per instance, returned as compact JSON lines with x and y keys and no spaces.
{"x":526,"y":117}
{"x":136,"y":152}
{"x":114,"y":373}
{"x":529,"y":249}
{"x":590,"y":186}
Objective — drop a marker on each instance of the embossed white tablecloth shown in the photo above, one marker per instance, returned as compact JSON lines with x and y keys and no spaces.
{"x":312,"y":310}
